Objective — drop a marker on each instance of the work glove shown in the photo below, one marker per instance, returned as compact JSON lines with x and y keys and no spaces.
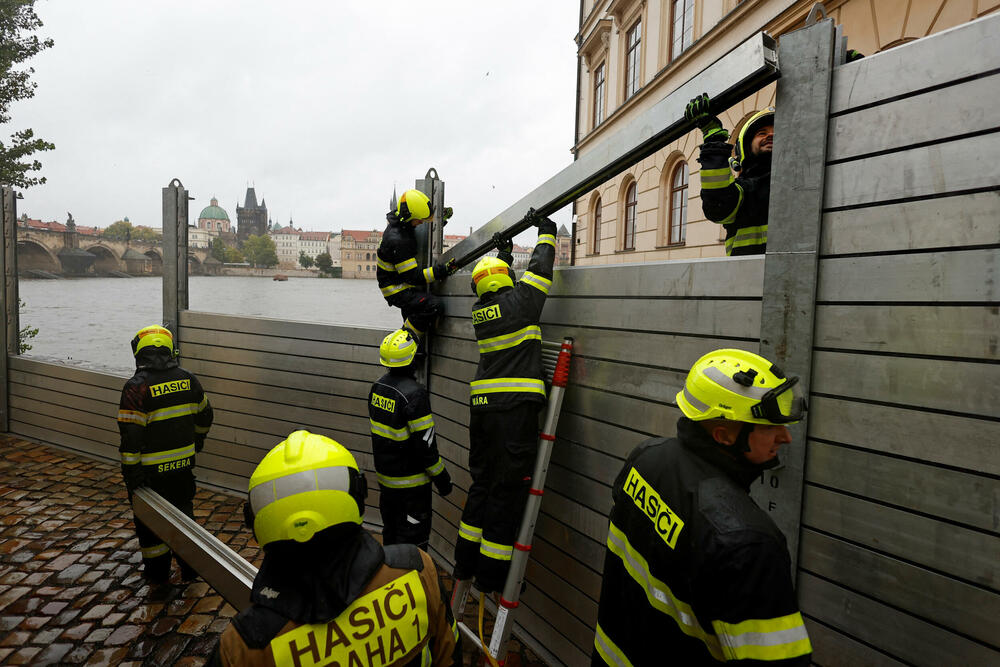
{"x":698,"y":111}
{"x":445,"y":268}
{"x":443,"y":483}
{"x":533,"y":217}
{"x":504,"y":245}
{"x":853,"y":55}
{"x":446,"y":214}
{"x":135,"y":476}
{"x":199,"y":443}
{"x":392,"y":218}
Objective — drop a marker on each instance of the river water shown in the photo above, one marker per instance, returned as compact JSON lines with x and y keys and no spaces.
{"x":89,"y":322}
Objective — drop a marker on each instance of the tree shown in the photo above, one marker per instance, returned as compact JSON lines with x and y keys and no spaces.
{"x":325,"y":263}
{"x":17,"y":21}
{"x":260,"y":251}
{"x":233,"y":256}
{"x":120,"y":230}
{"x":25,"y":334}
{"x":305,"y":260}
{"x":219,"y":249}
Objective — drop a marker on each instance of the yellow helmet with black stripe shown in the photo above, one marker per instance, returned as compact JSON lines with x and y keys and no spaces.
{"x":151,"y":337}
{"x":489,"y":275}
{"x":414,"y":205}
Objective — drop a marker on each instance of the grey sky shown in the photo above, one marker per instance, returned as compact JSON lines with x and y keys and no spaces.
{"x":322,"y":106}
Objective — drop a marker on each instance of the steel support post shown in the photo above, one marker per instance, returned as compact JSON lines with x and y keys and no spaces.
{"x":430,"y":241}
{"x":790,"y":266}
{"x":8,"y":269}
{"x":175,"y":255}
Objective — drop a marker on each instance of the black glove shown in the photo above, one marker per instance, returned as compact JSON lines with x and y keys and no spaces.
{"x":135,"y":476}
{"x":698,"y":111}
{"x":533,"y":217}
{"x":441,"y":269}
{"x":392,"y":218}
{"x":199,"y":443}
{"x":853,"y":55}
{"x":443,"y":483}
{"x":502,"y":244}
{"x":446,"y":213}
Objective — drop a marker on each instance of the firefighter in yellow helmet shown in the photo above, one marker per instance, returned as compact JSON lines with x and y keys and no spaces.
{"x":163,"y":419}
{"x":398,"y":270}
{"x":505,"y":397}
{"x":691,"y":559}
{"x":327,"y":592}
{"x":404,"y":445}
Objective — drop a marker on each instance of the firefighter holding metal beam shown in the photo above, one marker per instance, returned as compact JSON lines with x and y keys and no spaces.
{"x":506,"y":395}
{"x":163,"y":418}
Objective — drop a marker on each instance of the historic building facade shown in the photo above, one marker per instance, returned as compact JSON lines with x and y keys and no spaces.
{"x":358,"y":253}
{"x":251,"y":219}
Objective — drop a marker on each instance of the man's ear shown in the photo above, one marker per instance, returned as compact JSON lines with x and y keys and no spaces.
{"x":722,"y":434}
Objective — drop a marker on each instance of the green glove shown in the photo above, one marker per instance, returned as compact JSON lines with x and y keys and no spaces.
{"x":698,"y":111}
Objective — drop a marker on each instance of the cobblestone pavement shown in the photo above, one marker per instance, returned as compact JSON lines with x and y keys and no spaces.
{"x":71,"y":591}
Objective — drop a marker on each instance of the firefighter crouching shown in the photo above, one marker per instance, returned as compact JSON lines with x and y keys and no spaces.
{"x":404,"y":445}
{"x":695,"y":572}
{"x":163,"y":418}
{"x":327,"y":592}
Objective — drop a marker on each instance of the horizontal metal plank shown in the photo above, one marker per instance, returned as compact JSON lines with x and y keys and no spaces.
{"x":941,"y":222}
{"x":950,"y":440}
{"x":624,"y":411}
{"x":64,"y":412}
{"x":958,"y":276}
{"x":968,"y":332}
{"x":963,"y":51}
{"x":39,"y":429}
{"x":585,"y":461}
{"x":953,"y":604}
{"x":279,"y":369}
{"x":709,"y":318}
{"x":910,"y":639}
{"x":960,"y":552}
{"x":308,"y":331}
{"x":581,"y":489}
{"x":937,"y":169}
{"x":226,"y":393}
{"x":68,"y":374}
{"x":932,"y":116}
{"x":255,"y":348}
{"x":573,"y":616}
{"x":959,"y":386}
{"x":835,"y":649}
{"x":101,"y":409}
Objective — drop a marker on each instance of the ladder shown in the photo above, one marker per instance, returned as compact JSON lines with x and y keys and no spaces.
{"x":556,"y":358}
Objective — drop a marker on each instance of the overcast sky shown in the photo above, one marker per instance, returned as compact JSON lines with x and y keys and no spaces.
{"x":322,"y":106}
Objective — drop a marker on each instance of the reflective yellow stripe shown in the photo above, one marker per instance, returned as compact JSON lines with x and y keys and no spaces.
{"x":397,"y":434}
{"x":131,"y":458}
{"x":764,"y":639}
{"x":546,"y":239}
{"x":407,"y":482}
{"x":512,"y":385}
{"x":421,"y":424}
{"x":496,"y":550}
{"x":715,"y":179}
{"x":509,"y":340}
{"x":658,"y":594}
{"x":384,"y":265}
{"x":409,"y":325}
{"x":389,"y":290}
{"x":609,"y":650}
{"x":468,"y":532}
{"x":132,"y":417}
{"x":166,"y":456}
{"x":429,"y":274}
{"x":163,"y":414}
{"x":201,"y":429}
{"x":406,"y":265}
{"x":155,"y":550}
{"x":746,"y":237}
{"x":436,"y":469}
{"x":537,"y":281}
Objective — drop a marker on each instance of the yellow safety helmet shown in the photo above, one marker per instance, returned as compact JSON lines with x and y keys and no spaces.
{"x":414,"y":205}
{"x":490,"y":274}
{"x":754,"y":123}
{"x":740,"y":386}
{"x":152,"y":336}
{"x":397,"y":349}
{"x":307,"y":483}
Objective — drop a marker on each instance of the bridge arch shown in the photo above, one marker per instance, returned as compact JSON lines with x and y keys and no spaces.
{"x":107,"y":259}
{"x":157,"y":261}
{"x":32,"y":255}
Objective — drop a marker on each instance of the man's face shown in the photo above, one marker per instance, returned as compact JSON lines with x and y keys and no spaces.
{"x":765,"y":440}
{"x":762,"y":140}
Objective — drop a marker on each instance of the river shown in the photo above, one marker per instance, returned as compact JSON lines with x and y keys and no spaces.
{"x":89,"y":322}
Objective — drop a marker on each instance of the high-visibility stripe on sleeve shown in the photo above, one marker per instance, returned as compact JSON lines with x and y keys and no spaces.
{"x":133,"y":417}
{"x":155,"y":551}
{"x":729,"y":219}
{"x":495,"y":550}
{"x":509,"y":385}
{"x":168,"y":455}
{"x":546,"y":239}
{"x":397,"y":434}
{"x":389,"y":290}
{"x":203,"y":404}
{"x":174,"y":411}
{"x":747,"y":236}
{"x":716,"y":179}
{"x":436,"y":469}
{"x":384,"y":265}
{"x":421,"y":424}
{"x":509,"y":340}
{"x":609,"y":650}
{"x":469,"y":532}
{"x":406,"y":265}
{"x":201,"y":429}
{"x":764,"y":639}
{"x":537,"y":281}
{"x":409,"y":325}
{"x":404,"y":482}
{"x":429,"y":274}
{"x":131,"y":458}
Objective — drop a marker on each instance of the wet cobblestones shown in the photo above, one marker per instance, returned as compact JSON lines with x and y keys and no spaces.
{"x":71,"y":590}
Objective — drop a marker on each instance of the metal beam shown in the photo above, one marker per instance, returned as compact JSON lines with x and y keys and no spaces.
{"x":175,"y":255}
{"x":222,"y":568}
{"x":8,"y":273}
{"x":733,"y":77}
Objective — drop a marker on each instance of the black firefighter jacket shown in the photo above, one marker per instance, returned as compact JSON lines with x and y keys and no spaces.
{"x":397,"y":267}
{"x":740,"y":203}
{"x":695,"y":572}
{"x":510,"y":341}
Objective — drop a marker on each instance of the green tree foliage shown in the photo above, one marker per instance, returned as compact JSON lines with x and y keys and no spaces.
{"x":234,"y":256}
{"x":219,"y":249}
{"x":324,"y":262}
{"x":305,"y":260}
{"x":123,"y":230}
{"x":260,"y":251}
{"x":25,"y":334}
{"x":17,"y":44}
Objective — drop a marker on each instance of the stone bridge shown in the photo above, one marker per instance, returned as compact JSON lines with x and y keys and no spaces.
{"x":73,"y":253}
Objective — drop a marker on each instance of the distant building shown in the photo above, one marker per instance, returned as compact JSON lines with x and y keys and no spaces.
{"x":213,"y":219}
{"x":251,"y":219}
{"x":452,"y":240}
{"x":199,"y":237}
{"x":564,"y":246}
{"x":358,"y":253}
{"x":313,"y":244}
{"x":333,"y":247}
{"x":286,"y":245}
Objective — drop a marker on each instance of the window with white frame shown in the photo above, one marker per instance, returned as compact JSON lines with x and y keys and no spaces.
{"x":598,"y":94}
{"x":682,"y":26}
{"x":677,"y":229}
{"x":633,"y":42}
{"x":631,"y":203}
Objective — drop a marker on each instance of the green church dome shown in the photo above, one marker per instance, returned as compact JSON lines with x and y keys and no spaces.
{"x":213,"y":211}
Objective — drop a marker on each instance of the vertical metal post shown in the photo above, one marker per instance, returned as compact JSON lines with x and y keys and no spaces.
{"x":175,"y":255}
{"x":8,"y":270}
{"x":791,"y":264}
{"x":430,"y":240}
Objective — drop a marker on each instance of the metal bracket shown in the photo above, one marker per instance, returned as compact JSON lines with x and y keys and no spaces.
{"x":817,"y":13}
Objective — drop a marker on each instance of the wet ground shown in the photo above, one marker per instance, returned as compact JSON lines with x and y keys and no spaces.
{"x":71,"y":591}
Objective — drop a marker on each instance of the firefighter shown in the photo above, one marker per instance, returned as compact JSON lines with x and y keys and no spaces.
{"x":327,"y":593}
{"x":691,"y":559}
{"x":398,"y":271}
{"x":505,"y":398}
{"x":404,"y":445}
{"x":738,"y":202}
{"x":163,"y":418}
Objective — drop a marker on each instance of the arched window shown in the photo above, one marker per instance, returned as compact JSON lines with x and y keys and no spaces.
{"x":368,"y":256}
{"x":359,"y":268}
{"x":596,"y":233}
{"x":631,"y":201}
{"x":677,"y":229}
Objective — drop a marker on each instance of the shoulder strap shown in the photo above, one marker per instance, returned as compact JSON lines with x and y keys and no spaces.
{"x":403,"y":557}
{"x":258,"y":625}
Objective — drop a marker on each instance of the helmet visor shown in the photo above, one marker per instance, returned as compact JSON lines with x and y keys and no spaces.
{"x":781,"y":405}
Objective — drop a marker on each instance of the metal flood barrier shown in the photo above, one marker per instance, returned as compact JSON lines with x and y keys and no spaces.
{"x":879,"y":288}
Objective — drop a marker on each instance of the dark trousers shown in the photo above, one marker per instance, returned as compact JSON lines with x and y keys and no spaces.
{"x":155,"y":553}
{"x":503,"y":446}
{"x":420,"y":309}
{"x":406,"y":515}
